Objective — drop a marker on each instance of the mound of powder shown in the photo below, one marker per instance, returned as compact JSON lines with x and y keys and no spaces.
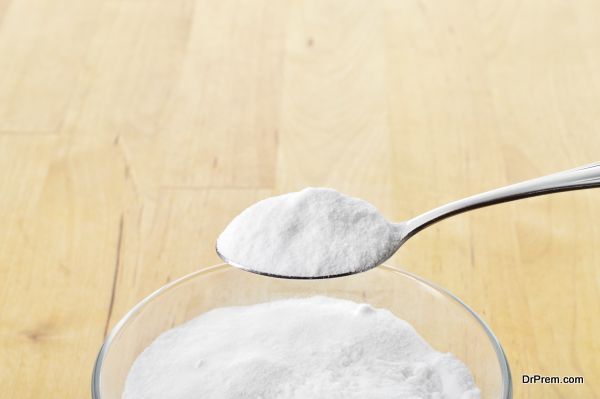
{"x":311,"y":233}
{"x":311,"y":348}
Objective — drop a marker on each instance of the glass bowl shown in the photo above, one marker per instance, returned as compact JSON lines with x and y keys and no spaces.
{"x":441,"y":319}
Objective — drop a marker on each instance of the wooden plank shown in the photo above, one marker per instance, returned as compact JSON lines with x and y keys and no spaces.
{"x":225,"y":101}
{"x":334,"y":119}
{"x":60,"y":215}
{"x":42,"y":47}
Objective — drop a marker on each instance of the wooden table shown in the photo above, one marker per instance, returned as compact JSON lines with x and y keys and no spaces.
{"x":131,"y":132}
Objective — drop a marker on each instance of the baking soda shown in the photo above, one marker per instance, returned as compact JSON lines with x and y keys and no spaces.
{"x":315,"y":232}
{"x":311,"y":348}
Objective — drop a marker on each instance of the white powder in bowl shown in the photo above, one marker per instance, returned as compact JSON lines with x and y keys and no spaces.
{"x":315,"y":232}
{"x":311,"y":348}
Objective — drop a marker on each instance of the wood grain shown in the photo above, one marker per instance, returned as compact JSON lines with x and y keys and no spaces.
{"x":131,"y":132}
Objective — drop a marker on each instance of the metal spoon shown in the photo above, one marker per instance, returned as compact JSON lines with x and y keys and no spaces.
{"x":587,"y":176}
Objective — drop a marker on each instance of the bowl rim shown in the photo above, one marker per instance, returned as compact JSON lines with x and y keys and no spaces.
{"x":507,"y":392}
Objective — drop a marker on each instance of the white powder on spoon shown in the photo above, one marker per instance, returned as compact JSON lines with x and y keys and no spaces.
{"x":311,"y":348}
{"x":311,"y":233}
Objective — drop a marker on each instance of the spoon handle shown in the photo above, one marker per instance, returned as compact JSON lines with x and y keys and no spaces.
{"x":587,"y":176}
